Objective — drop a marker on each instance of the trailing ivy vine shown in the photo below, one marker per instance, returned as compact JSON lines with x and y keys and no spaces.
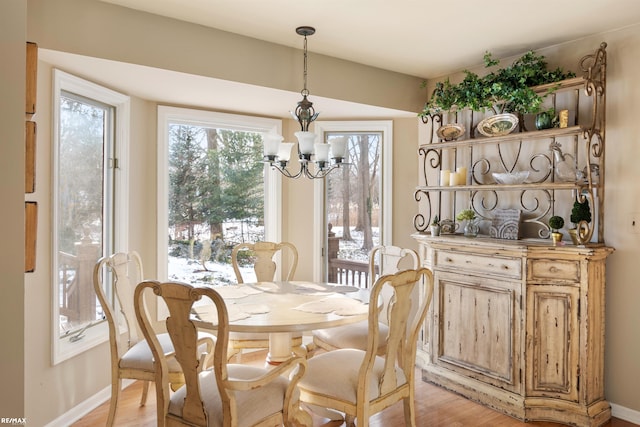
{"x":505,"y":89}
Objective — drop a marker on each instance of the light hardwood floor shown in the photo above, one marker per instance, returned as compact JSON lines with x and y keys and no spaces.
{"x":435,"y":407}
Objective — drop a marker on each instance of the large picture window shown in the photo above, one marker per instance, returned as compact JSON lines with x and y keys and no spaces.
{"x":89,"y":131}
{"x":212,"y":192}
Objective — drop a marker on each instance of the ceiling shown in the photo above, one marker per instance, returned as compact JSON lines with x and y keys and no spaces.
{"x":422,"y":38}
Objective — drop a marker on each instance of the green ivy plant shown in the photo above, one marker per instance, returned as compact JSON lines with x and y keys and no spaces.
{"x":505,"y":89}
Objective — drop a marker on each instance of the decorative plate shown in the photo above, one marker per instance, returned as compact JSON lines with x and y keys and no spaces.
{"x":500,"y":124}
{"x":450,"y":132}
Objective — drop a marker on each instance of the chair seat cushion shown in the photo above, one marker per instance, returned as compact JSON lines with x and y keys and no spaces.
{"x":140,"y":357}
{"x":335,"y":374}
{"x":253,"y":405}
{"x":351,"y":336}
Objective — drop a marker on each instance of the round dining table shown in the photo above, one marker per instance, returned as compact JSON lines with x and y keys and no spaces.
{"x":283,"y":308}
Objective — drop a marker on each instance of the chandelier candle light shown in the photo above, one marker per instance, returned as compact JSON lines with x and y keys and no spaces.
{"x":278,"y":153}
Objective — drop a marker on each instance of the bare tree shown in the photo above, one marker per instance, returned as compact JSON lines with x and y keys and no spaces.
{"x":346,"y":196}
{"x":364,"y":192}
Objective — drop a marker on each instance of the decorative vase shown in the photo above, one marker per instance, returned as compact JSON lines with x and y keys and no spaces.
{"x":471,"y":229}
{"x":573,"y":233}
{"x":435,"y":230}
{"x":544,"y":120}
{"x":556,"y":236}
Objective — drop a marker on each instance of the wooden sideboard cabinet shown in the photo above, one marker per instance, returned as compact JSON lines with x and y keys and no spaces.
{"x":518,"y":326}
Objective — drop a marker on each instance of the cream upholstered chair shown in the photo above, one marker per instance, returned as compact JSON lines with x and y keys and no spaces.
{"x":265,"y":270}
{"x":228,"y":395}
{"x":361,"y":383}
{"x":382,"y":260}
{"x":131,"y":357}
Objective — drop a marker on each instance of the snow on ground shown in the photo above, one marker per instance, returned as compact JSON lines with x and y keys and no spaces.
{"x":192,"y":271}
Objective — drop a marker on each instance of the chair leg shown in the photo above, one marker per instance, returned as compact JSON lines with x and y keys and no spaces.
{"x":116,"y":385}
{"x":298,"y":417}
{"x":350,"y":420}
{"x":409,"y":411}
{"x":145,"y":392}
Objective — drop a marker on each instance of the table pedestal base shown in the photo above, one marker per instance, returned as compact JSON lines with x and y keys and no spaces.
{"x":279,"y":347}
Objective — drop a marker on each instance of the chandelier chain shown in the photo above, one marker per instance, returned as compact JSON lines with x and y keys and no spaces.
{"x":305,"y":91}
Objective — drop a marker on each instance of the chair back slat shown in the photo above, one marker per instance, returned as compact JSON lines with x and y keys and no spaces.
{"x":179,"y":298}
{"x":265,"y":266}
{"x":385,"y":260}
{"x":125,"y":271}
{"x":404,"y":327}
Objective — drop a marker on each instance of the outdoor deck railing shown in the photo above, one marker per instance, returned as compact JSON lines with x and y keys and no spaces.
{"x":347,"y":272}
{"x":343,"y":271}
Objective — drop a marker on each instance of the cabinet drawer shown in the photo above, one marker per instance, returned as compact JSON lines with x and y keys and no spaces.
{"x":546,"y":270}
{"x":479,"y":264}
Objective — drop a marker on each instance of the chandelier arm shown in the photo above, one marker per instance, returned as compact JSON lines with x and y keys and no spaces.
{"x":285,"y":171}
{"x":306,"y":171}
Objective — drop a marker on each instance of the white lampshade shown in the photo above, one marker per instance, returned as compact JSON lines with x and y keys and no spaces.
{"x":306,"y":139}
{"x":321,"y":152}
{"x":271,"y":143}
{"x":284,"y":153}
{"x":338,"y":147}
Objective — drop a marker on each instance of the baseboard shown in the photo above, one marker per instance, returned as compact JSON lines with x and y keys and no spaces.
{"x":85,"y":407}
{"x":625,"y":414}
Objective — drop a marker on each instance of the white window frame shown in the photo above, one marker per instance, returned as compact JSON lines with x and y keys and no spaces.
{"x":386,"y":233}
{"x":187,"y":116}
{"x":62,"y":349}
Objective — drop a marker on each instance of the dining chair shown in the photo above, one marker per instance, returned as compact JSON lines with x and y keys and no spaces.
{"x":382,"y":260}
{"x":114,"y":281}
{"x":360,"y":383}
{"x":227,"y":395}
{"x":264,"y":266}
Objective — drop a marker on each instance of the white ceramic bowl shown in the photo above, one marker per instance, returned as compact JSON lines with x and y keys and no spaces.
{"x":511,"y":178}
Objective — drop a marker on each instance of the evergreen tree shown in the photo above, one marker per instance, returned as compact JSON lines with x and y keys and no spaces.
{"x":187,"y":172}
{"x":242,"y":172}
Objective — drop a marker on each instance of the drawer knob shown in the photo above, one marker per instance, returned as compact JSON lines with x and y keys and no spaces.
{"x":553,"y":269}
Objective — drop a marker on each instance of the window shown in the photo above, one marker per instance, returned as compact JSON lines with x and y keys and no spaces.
{"x":90,"y":128}
{"x":212,"y":192}
{"x":357,"y":199}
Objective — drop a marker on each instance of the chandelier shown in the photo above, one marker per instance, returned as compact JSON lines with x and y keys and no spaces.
{"x":277,"y":153}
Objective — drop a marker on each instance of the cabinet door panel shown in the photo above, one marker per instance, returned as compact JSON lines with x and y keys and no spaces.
{"x":479,"y":328}
{"x":552,"y":355}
